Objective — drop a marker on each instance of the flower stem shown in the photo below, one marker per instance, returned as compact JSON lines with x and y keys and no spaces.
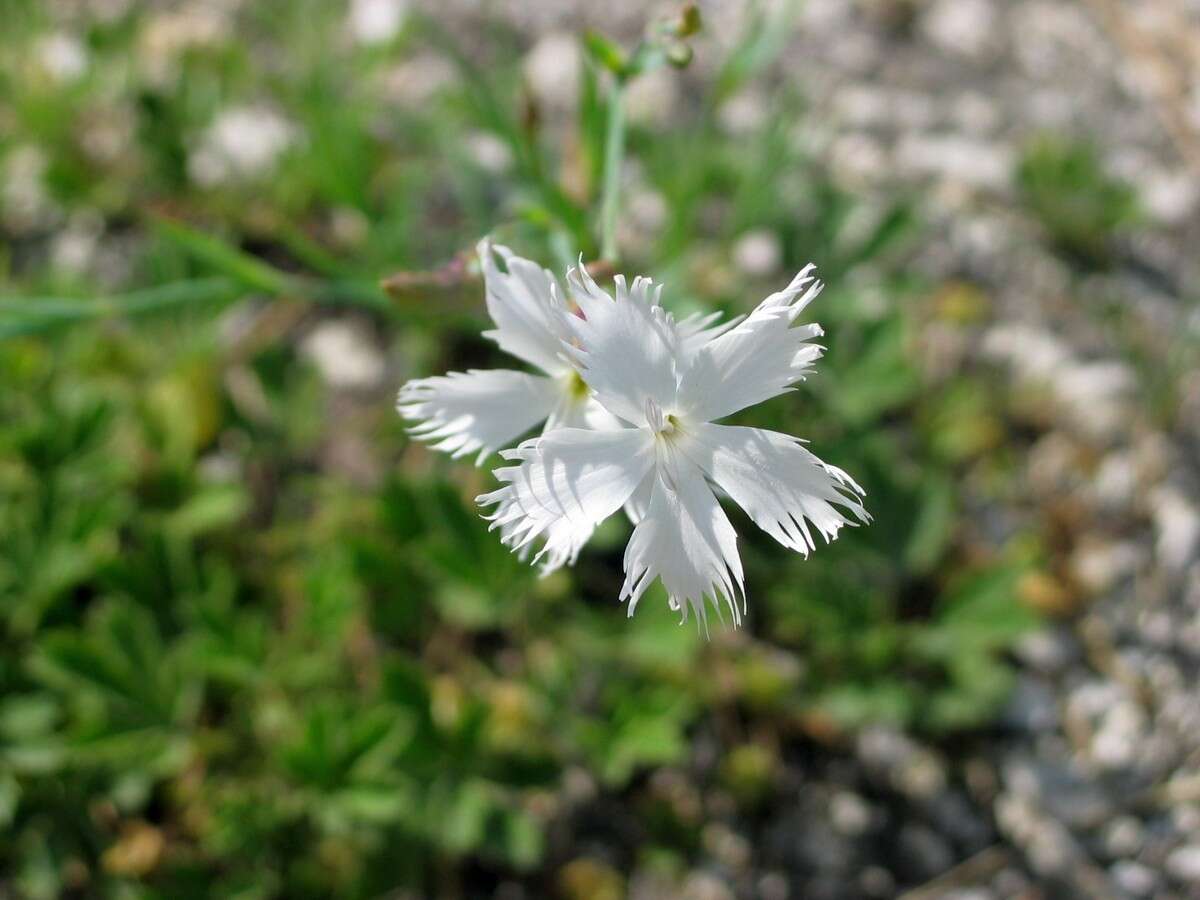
{"x":614,"y":151}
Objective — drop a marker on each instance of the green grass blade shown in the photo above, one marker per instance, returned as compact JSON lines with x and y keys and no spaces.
{"x":20,"y":317}
{"x":222,"y":256}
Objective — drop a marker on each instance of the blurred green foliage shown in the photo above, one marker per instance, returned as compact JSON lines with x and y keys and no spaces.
{"x":1077,"y":202}
{"x":232,"y":665}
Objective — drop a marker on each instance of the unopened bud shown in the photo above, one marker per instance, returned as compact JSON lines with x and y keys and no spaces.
{"x":678,"y":54}
{"x":689,"y":21}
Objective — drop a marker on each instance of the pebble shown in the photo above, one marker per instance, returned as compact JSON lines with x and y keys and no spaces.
{"x":1134,"y":878}
{"x":758,"y":253}
{"x":552,"y":71}
{"x":1032,"y":706}
{"x":705,"y":886}
{"x":1124,"y":836}
{"x":961,"y":27}
{"x":1183,"y":864}
{"x":850,"y":813}
{"x":1049,"y":650}
{"x":344,"y":354}
{"x":922,"y":853}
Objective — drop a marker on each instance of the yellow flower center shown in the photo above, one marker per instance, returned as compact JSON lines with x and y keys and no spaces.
{"x":576,"y":387}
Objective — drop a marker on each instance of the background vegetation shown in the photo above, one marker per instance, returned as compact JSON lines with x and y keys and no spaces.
{"x":256,"y":643}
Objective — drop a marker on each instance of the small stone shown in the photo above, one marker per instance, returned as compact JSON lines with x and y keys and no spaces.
{"x":876,"y":881}
{"x":970,"y":893}
{"x":578,"y":785}
{"x":773,"y":886}
{"x":1124,"y":836}
{"x":1049,"y":651}
{"x":849,"y":813}
{"x":952,"y":813}
{"x":705,"y":886}
{"x":62,"y":55}
{"x":376,"y":21}
{"x":1115,"y":481}
{"x":1059,"y":790}
{"x":1117,"y":742}
{"x":922,"y":852}
{"x":1183,"y":864}
{"x":744,"y":113}
{"x":910,"y":768}
{"x":726,"y":846}
{"x":1186,"y":817}
{"x":1098,"y":564}
{"x":1134,"y":878}
{"x":960,"y":159}
{"x":962,"y":27}
{"x":1177,"y":523}
{"x":758,"y":253}
{"x":1009,"y":883}
{"x":489,"y":152}
{"x":416,"y":81}
{"x":241,"y":143}
{"x":653,"y":97}
{"x":552,"y":70}
{"x":345,"y":355}
{"x":1047,"y":844}
{"x":1096,"y":396}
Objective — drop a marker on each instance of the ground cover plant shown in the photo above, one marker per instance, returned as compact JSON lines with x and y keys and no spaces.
{"x":256,"y":641}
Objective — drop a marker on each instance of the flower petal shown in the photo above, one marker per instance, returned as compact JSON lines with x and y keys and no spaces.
{"x":781,"y":485}
{"x":563,"y":541}
{"x":566,"y":483}
{"x":477,"y":410}
{"x":581,"y":412}
{"x":520,"y":300}
{"x":756,"y":360}
{"x":638,"y":503}
{"x":698,"y":329}
{"x":686,"y":540}
{"x":625,"y":349}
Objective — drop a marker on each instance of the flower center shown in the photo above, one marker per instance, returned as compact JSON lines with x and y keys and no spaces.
{"x":577,"y":388}
{"x":664,"y":425}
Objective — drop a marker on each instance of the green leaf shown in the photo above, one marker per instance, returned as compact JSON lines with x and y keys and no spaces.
{"x":523,"y":839}
{"x":606,"y":53}
{"x":465,"y":823}
{"x":10,"y":796}
{"x":31,"y":715}
{"x":376,"y":804}
{"x":932,"y":526}
{"x":22,"y":317}
{"x":213,"y":508}
{"x":246,"y":270}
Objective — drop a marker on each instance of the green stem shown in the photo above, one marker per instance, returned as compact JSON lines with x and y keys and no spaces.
{"x":614,"y":151}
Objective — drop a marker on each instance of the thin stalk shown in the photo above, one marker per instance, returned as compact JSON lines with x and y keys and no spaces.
{"x":614,"y":152}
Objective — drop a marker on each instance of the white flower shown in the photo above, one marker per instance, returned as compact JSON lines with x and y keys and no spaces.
{"x":482,"y":411}
{"x":667,"y":385}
